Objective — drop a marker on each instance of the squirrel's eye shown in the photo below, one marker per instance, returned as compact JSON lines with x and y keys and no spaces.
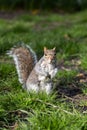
{"x":45,"y":54}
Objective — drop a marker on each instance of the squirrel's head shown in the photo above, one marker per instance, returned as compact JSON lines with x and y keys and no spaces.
{"x":50,"y":54}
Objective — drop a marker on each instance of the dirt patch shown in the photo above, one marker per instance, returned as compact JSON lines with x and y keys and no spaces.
{"x":72,"y":93}
{"x":11,"y":14}
{"x":73,"y":86}
{"x":50,"y":25}
{"x":72,"y":90}
{"x":69,"y":88}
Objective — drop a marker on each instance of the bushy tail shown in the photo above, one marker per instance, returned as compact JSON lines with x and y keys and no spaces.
{"x":25,"y":60}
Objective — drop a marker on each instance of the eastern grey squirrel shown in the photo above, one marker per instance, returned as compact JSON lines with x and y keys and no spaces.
{"x":35,"y":75}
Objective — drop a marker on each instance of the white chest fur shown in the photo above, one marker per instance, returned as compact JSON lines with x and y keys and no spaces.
{"x":49,"y":69}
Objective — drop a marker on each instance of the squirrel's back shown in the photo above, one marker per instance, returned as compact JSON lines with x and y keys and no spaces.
{"x":25,"y":60}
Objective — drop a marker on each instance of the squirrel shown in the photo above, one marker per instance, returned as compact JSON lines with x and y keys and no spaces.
{"x":35,"y":75}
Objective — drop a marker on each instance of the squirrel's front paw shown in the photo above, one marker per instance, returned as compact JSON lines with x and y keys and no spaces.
{"x":41,"y":77}
{"x":56,"y":70}
{"x":53,"y":72}
{"x":48,"y":76}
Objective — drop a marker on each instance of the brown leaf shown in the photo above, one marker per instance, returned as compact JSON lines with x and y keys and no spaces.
{"x":80,"y":75}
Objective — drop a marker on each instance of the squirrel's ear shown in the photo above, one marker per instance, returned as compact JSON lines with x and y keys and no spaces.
{"x":54,"y":48}
{"x":45,"y":49}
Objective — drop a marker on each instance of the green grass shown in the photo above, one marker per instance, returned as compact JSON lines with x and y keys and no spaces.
{"x":66,"y":107}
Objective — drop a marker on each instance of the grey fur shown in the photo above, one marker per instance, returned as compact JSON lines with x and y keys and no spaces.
{"x":35,"y":76}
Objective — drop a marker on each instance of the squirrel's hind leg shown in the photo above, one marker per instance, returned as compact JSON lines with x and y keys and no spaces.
{"x":32,"y":87}
{"x":46,"y":87}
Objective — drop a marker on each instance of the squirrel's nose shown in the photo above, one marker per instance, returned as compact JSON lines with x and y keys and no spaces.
{"x":49,"y":60}
{"x":51,"y":57}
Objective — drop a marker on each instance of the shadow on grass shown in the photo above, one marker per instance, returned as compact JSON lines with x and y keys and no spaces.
{"x":70,"y":90}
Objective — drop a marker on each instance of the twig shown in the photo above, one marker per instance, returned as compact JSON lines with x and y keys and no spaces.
{"x":68,"y":98}
{"x":54,"y":106}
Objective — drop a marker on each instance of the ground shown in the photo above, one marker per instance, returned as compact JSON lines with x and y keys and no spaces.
{"x":66,"y":107}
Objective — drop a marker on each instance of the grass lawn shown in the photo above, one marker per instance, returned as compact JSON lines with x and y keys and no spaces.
{"x":66,"y":107}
